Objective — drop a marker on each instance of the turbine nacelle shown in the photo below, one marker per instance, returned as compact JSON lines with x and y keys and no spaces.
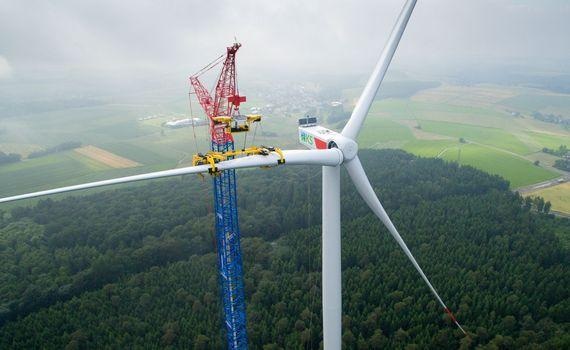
{"x":318,"y":137}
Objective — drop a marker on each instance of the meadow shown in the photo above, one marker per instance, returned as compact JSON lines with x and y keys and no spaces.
{"x":493,"y":136}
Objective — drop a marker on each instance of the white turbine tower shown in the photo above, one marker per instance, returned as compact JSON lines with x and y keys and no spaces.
{"x":330,"y":150}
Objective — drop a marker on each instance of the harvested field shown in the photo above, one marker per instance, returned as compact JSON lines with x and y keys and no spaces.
{"x":558,"y":195}
{"x":110,"y":159}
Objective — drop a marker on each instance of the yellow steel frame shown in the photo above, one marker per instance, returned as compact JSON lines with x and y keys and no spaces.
{"x":211,"y":157}
{"x":249,"y":119}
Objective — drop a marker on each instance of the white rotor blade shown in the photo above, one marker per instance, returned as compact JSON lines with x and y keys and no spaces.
{"x":352,"y":128}
{"x":330,"y":157}
{"x":363,"y":186}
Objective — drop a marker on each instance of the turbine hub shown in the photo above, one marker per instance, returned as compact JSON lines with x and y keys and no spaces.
{"x":348,"y":147}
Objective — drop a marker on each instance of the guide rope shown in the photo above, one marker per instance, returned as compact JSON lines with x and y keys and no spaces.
{"x":209,"y":66}
{"x":192,"y":119}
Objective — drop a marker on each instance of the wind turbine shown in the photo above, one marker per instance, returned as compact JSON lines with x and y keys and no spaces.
{"x":330,"y":150}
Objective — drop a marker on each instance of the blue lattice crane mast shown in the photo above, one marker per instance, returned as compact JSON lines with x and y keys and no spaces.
{"x":222,"y":110}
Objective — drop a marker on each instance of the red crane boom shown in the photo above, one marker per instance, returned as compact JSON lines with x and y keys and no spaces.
{"x":226,"y":100}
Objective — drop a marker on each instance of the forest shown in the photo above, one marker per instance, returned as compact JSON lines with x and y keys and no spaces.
{"x":9,"y":158}
{"x":57,"y":148}
{"x":562,"y":164}
{"x":552,"y":118}
{"x":135,"y":267}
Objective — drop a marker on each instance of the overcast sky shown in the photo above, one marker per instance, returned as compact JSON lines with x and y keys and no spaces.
{"x":299,"y":35}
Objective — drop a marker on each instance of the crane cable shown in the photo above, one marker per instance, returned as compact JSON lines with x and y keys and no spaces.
{"x":254,"y":133}
{"x":245,"y":139}
{"x":192,"y":120}
{"x":311,"y":296}
{"x":205,"y":69}
{"x":209,"y":66}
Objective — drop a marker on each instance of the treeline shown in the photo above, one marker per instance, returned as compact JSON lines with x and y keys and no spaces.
{"x":65,"y":146}
{"x":9,"y":158}
{"x":14,"y":157}
{"x":552,"y":118}
{"x":562,"y":164}
{"x":537,"y":203}
{"x":146,"y":259}
{"x":560,"y":152}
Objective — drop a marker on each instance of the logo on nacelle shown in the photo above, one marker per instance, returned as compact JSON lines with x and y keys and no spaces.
{"x":306,"y":138}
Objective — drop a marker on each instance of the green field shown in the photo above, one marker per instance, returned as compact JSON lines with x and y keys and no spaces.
{"x":549,"y":140}
{"x":537,"y":102}
{"x":431,"y":123}
{"x":518,"y":171}
{"x":426,"y":120}
{"x":484,"y":135}
{"x":380,"y":131}
{"x":62,"y":169}
{"x":40,"y":173}
{"x":431,"y":148}
{"x":411,"y":109}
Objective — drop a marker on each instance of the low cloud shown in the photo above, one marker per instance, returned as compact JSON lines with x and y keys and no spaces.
{"x":318,"y":36}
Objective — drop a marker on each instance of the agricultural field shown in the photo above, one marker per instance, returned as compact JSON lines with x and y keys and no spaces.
{"x":118,"y":145}
{"x":117,"y":140}
{"x":52,"y":170}
{"x":424,"y":118}
{"x":538,"y":101}
{"x":558,"y":195}
{"x":494,"y":124}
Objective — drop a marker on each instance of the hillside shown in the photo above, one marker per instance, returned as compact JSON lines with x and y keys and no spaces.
{"x":135,"y":267}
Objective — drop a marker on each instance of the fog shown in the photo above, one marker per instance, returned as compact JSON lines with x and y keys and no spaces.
{"x":79,"y":40}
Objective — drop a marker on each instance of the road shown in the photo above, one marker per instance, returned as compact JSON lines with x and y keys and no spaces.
{"x":543,"y":184}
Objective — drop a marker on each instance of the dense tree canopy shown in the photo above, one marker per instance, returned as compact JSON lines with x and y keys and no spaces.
{"x":57,"y":148}
{"x":9,"y":158}
{"x":136,"y":267}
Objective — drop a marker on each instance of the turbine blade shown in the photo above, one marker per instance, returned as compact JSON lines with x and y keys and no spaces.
{"x":352,"y":128}
{"x":330,"y":157}
{"x":363,"y":186}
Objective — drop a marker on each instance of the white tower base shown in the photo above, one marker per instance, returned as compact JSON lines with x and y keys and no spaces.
{"x":332,"y":297}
